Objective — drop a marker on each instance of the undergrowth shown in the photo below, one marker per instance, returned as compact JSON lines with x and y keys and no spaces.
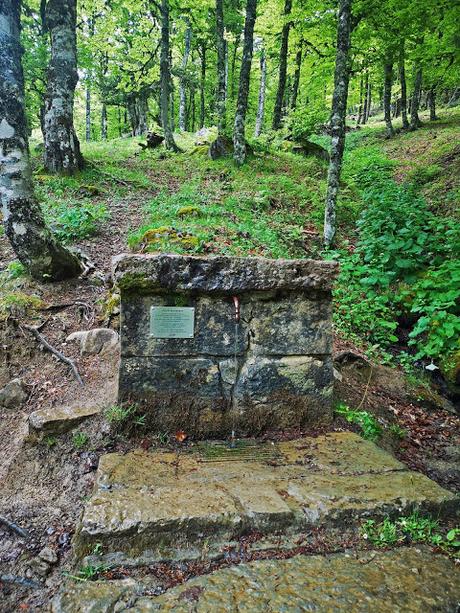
{"x":411,"y":529}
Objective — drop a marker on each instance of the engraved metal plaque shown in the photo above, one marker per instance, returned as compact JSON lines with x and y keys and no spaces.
{"x":172,"y":322}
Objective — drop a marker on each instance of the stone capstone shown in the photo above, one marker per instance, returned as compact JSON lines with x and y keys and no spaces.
{"x":409,"y":580}
{"x":13,"y":394}
{"x":270,"y":369}
{"x":97,"y":340}
{"x":161,"y":504}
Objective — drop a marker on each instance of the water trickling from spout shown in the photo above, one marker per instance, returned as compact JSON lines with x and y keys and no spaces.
{"x":236,"y":303}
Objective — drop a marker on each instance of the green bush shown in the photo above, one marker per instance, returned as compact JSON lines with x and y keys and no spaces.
{"x":71,"y":223}
{"x":305,"y":121}
{"x":367,"y":422}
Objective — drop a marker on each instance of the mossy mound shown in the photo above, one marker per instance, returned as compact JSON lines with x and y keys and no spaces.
{"x":159,"y":239}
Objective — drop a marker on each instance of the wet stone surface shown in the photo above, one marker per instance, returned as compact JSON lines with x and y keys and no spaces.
{"x":406,"y":580}
{"x":164,"y":506}
{"x":280,"y":346}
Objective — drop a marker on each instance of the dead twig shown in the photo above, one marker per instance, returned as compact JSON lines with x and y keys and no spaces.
{"x":14,"y":527}
{"x":41,"y":339}
{"x":19,"y":581}
{"x":126,"y":183}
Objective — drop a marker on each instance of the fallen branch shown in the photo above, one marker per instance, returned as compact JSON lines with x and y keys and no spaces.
{"x":41,"y":339}
{"x":14,"y":527}
{"x":125,"y":182}
{"x":19,"y":581}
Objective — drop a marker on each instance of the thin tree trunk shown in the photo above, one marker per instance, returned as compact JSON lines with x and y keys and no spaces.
{"x":415,"y":101}
{"x":239,"y":141}
{"x":366,"y":91}
{"x":119,"y":120}
{"x":235,"y":51}
{"x":402,"y":81}
{"x":88,"y":114}
{"x":221,"y":88}
{"x":104,"y":121}
{"x":33,"y":243}
{"x":388,"y":81}
{"x":261,"y":101}
{"x":62,"y":149}
{"x":432,"y":104}
{"x":369,"y":100}
{"x":182,"y":82}
{"x":338,"y":114}
{"x":277,"y":112}
{"x":360,"y":108}
{"x":202,"y":86}
{"x":298,"y":68}
{"x":226,"y":69}
{"x":165,"y":77}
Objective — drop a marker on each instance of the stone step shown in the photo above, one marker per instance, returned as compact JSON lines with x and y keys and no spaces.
{"x":409,"y":580}
{"x":167,"y":506}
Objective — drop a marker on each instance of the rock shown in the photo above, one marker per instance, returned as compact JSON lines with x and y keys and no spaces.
{"x":408,"y":579}
{"x":56,"y":420}
{"x":13,"y":394}
{"x":97,"y":340}
{"x":48,"y":555}
{"x":308,"y":148}
{"x":221,"y":147}
{"x":39,"y":567}
{"x":220,"y":274}
{"x":157,"y":502}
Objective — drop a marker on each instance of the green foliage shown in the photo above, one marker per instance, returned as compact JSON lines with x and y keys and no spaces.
{"x":367,"y":422}
{"x":405,"y":262}
{"x":410,"y":529}
{"x":89,"y":572}
{"x":72,"y":223}
{"x":16,"y":269}
{"x":18,"y":304}
{"x":306,"y":120}
{"x":397,"y":431}
{"x":80,"y":440}
{"x":50,"y":441}
{"x":118,"y":413}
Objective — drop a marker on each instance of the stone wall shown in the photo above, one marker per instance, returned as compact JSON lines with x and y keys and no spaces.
{"x":271,"y":370}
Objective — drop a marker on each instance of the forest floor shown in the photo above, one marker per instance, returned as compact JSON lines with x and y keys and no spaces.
{"x":272,"y":207}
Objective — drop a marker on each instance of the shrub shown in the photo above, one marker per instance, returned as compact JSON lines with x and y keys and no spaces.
{"x":305,"y":121}
{"x":367,"y":422}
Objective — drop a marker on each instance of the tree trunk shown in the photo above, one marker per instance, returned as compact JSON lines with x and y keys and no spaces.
{"x":239,"y":141}
{"x":338,"y":114}
{"x":277,"y":112}
{"x":221,"y":88}
{"x":33,"y":243}
{"x":137,"y":112}
{"x":432,"y":104}
{"x":104,"y":121}
{"x":369,"y":100}
{"x":402,"y":81}
{"x":165,"y":77}
{"x":298,"y":68}
{"x":235,"y":51}
{"x":261,"y":102}
{"x":62,"y":149}
{"x":202,"y":86}
{"x":415,"y":101}
{"x":388,"y":81}
{"x":183,"y":80}
{"x":88,"y":114}
{"x":360,"y":108}
{"x":366,"y":100}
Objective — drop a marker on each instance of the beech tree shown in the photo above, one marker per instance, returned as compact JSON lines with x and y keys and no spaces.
{"x":165,"y":77}
{"x":239,"y":141}
{"x":277,"y":113}
{"x":32,"y":241}
{"x":62,"y":148}
{"x":221,"y":78}
{"x":338,"y":114}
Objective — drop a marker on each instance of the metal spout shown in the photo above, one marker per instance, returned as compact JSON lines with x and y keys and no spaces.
{"x":236,"y":303}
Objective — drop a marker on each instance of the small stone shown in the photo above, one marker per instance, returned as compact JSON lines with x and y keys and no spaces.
{"x":56,"y":420}
{"x":39,"y":567}
{"x":48,"y":555}
{"x":96,"y":341}
{"x":13,"y":394}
